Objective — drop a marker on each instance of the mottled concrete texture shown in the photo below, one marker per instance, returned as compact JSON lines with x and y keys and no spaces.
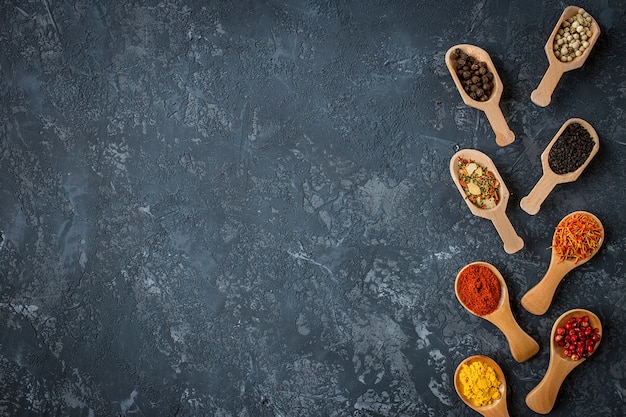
{"x":244,"y":208}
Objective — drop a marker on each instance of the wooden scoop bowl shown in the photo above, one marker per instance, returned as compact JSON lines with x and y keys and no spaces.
{"x":532,"y":202}
{"x":522,"y":346}
{"x":538,"y":299}
{"x":491,"y":107}
{"x":497,"y":215}
{"x":542,"y":398}
{"x":542,"y":95}
{"x":498,"y":407}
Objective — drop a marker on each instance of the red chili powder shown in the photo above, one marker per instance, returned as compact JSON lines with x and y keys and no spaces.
{"x":479,"y":289}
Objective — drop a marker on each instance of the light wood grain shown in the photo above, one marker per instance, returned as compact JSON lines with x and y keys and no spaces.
{"x":512,"y":241}
{"x":542,"y":398}
{"x":491,"y":107}
{"x":537,"y":300}
{"x":542,"y":95}
{"x":521,"y":345}
{"x":549,"y":179}
{"x":498,"y":408}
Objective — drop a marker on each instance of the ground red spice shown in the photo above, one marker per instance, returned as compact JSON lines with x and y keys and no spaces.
{"x":479,"y":289}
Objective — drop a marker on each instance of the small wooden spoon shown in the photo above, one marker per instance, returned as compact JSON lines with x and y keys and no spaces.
{"x":522,"y":346}
{"x":542,"y":398}
{"x":512,"y":241}
{"x":538,"y":299}
{"x":532,"y":202}
{"x":491,"y":107}
{"x":498,"y":407}
{"x":542,"y":95}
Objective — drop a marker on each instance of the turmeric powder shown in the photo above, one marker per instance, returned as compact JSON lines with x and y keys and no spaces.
{"x":480,"y":383}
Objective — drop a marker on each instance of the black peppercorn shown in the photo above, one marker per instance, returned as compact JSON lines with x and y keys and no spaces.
{"x":571,"y":149}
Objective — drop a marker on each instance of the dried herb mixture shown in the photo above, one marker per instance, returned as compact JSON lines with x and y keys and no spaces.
{"x":479,"y":184}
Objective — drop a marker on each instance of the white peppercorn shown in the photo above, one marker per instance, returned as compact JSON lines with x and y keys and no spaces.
{"x":572,"y":37}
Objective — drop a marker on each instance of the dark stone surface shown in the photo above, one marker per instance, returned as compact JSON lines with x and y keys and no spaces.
{"x":244,"y":208}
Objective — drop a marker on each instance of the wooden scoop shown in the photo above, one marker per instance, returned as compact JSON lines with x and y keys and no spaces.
{"x":538,"y":299}
{"x":498,"y":407}
{"x":497,"y":215}
{"x":532,"y":202}
{"x":522,"y":346}
{"x":542,"y":398}
{"x":491,"y":107}
{"x":542,"y":95}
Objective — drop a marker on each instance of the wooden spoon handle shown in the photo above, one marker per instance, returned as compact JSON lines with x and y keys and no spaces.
{"x":538,"y":299}
{"x":542,"y":95}
{"x":510,"y":238}
{"x":522,"y":346}
{"x":504,"y":135}
{"x":542,"y":398}
{"x":532,"y":202}
{"x":500,"y":411}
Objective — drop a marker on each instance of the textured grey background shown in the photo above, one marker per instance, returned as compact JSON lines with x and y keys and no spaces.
{"x":244,"y":208}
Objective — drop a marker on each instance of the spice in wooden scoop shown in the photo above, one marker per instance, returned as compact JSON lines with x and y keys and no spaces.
{"x":577,"y":337}
{"x":479,"y":289}
{"x":571,"y":40}
{"x":480,"y":383}
{"x":480,"y":185}
{"x":474,"y":75}
{"x":576,"y":237}
{"x":571,"y":149}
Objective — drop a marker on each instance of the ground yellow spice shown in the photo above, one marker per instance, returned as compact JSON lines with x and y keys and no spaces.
{"x":480,"y":383}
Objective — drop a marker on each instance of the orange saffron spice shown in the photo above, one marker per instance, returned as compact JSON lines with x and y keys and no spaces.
{"x":479,"y":289}
{"x":576,"y":237}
